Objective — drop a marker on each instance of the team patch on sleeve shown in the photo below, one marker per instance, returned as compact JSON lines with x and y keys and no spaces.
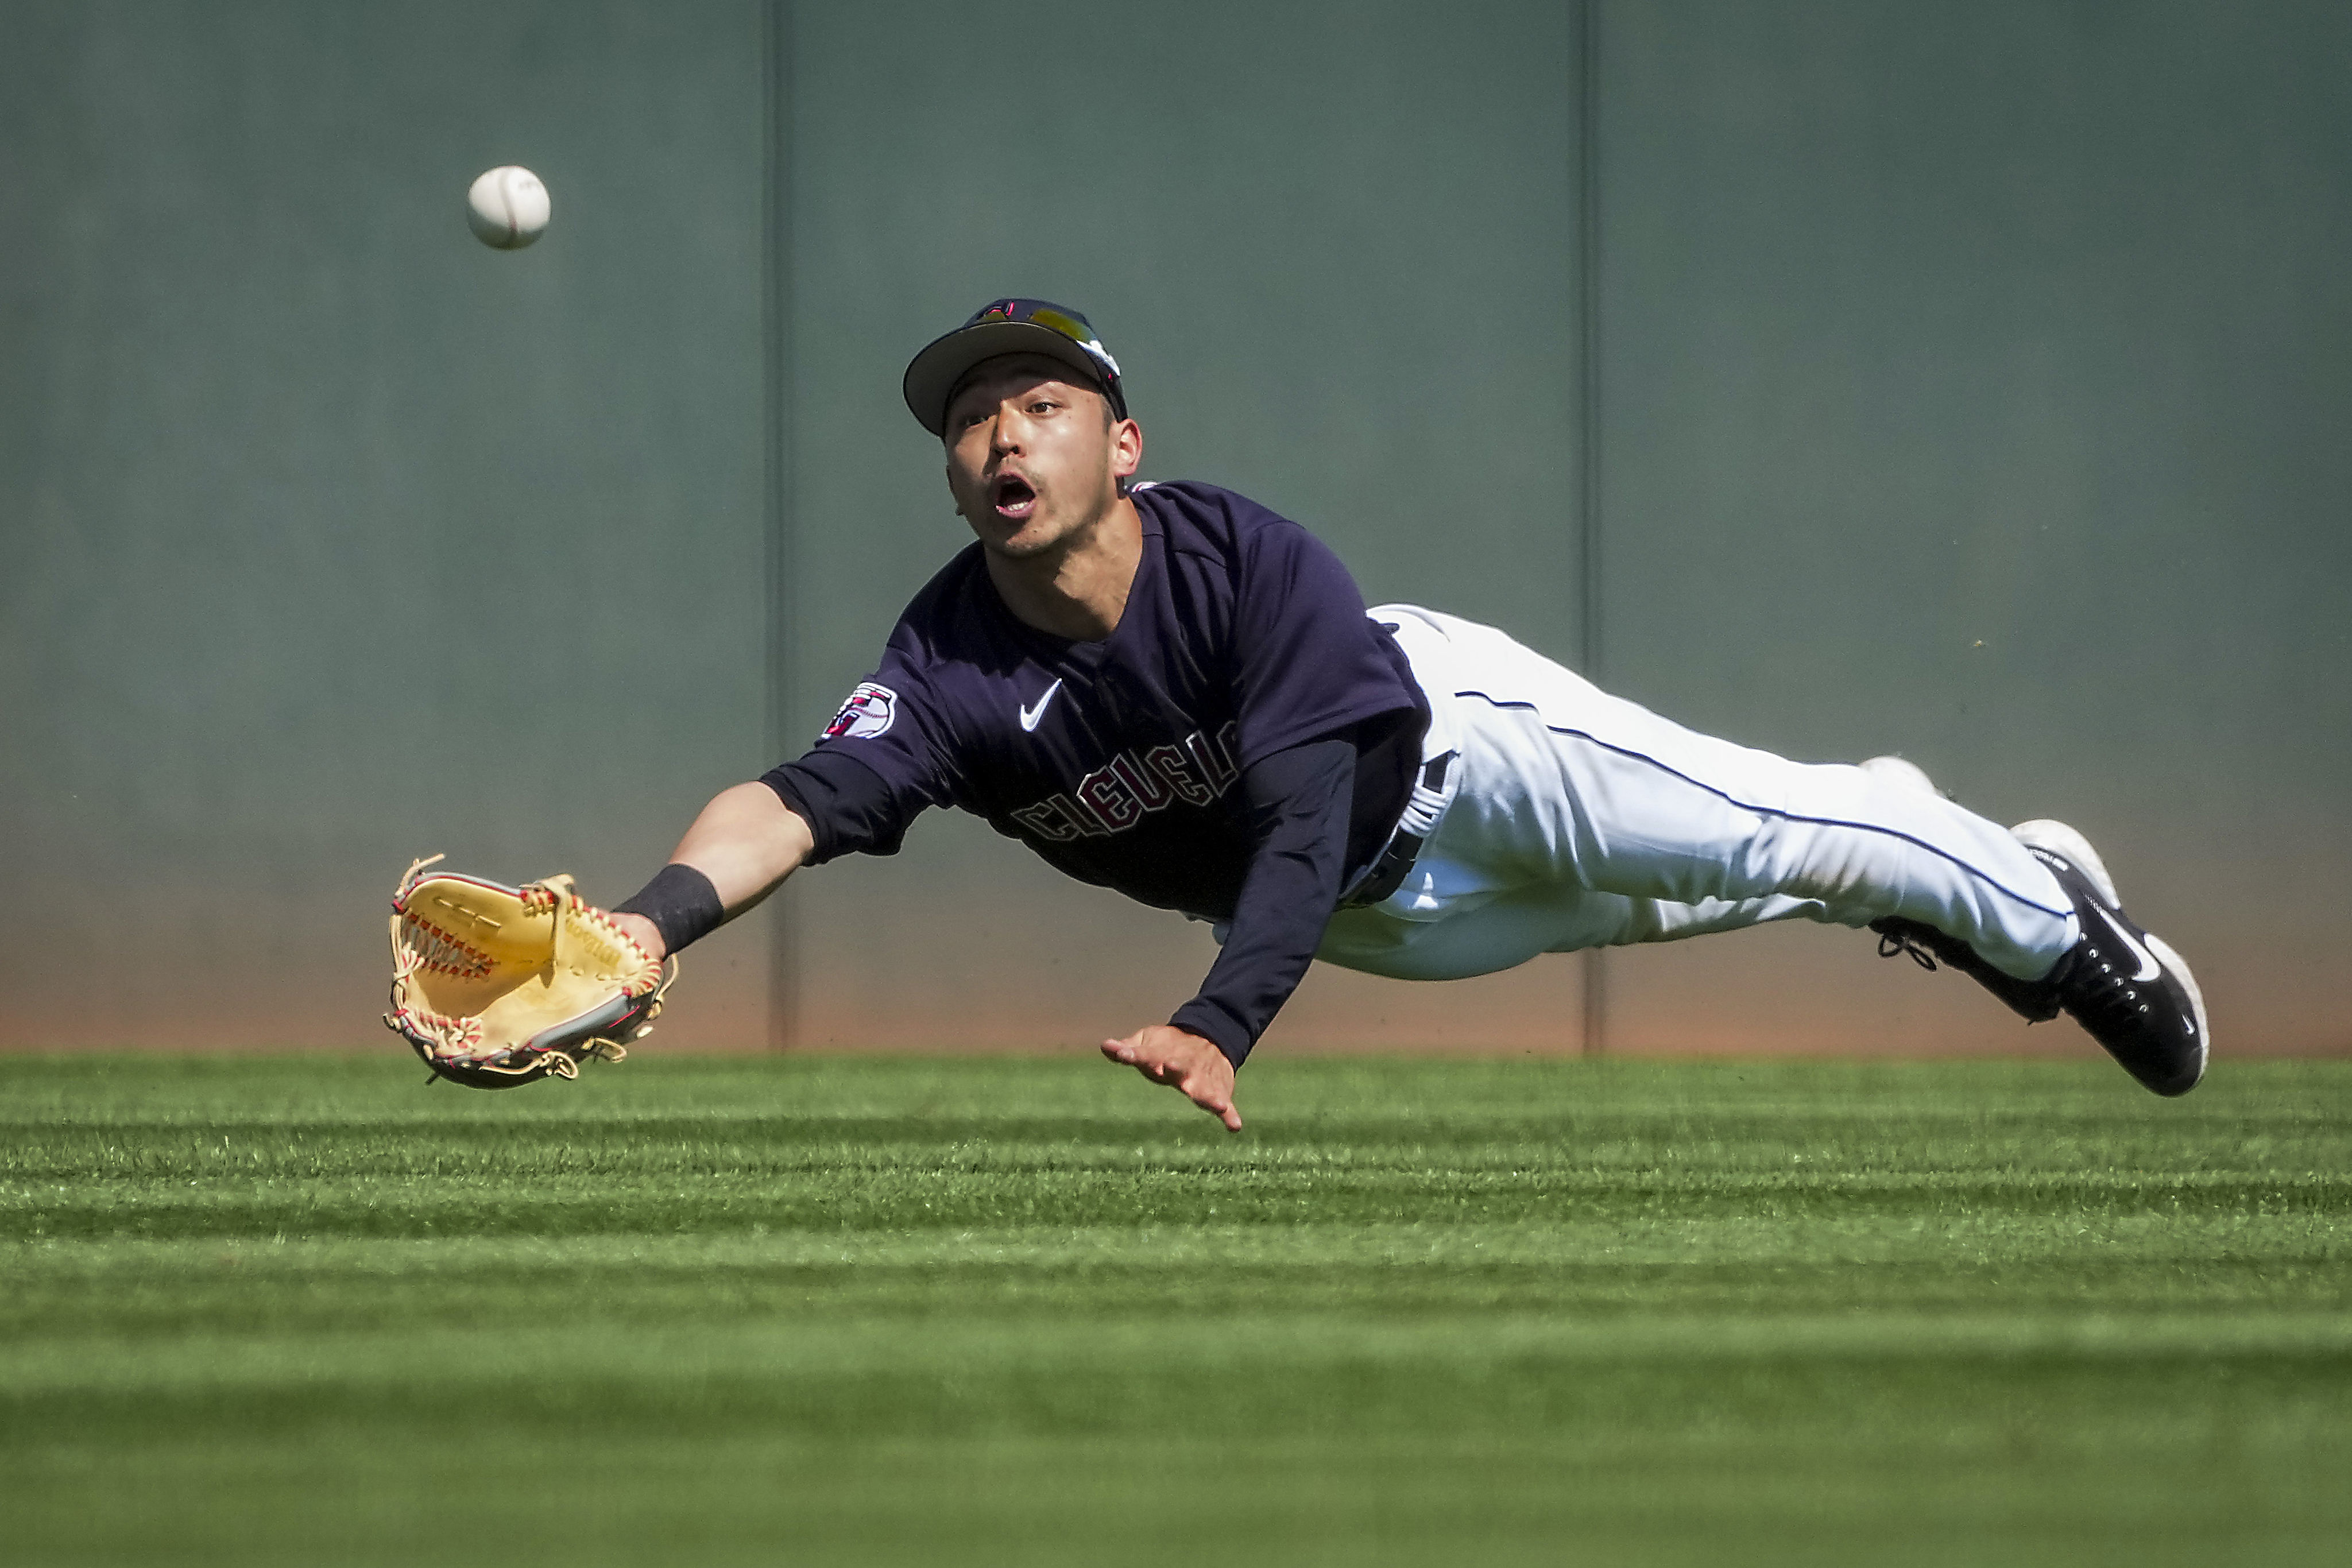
{"x":866,"y":714}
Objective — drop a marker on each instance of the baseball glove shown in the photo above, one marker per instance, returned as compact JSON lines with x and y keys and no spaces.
{"x":496,"y":986}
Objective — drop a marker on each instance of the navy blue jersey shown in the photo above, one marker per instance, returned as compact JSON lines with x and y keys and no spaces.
{"x":1118,"y":761}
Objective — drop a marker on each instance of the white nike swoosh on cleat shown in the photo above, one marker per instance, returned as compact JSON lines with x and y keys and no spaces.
{"x":1029,"y":716}
{"x":2148,"y":967}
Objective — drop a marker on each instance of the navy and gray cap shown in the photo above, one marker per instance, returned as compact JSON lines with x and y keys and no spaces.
{"x":1008,"y":327}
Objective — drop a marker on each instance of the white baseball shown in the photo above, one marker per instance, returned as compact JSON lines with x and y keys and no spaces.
{"x":507,"y":207}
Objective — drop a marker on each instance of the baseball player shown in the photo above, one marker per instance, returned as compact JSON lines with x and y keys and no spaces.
{"x":1167,"y":689}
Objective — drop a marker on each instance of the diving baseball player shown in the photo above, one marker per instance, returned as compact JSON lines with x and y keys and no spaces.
{"x":1167,"y":689}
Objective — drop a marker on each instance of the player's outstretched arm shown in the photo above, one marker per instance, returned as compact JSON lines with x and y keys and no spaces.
{"x":746,"y":842}
{"x":1185,"y":1062}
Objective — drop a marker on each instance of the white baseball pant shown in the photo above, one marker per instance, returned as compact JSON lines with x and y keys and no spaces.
{"x":1570,"y":819}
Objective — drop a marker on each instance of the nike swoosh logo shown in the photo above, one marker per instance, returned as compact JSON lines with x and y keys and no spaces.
{"x":2148,"y":967}
{"x":1029,"y":716}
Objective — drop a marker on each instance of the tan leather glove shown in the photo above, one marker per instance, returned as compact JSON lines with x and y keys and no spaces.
{"x":496,"y":986}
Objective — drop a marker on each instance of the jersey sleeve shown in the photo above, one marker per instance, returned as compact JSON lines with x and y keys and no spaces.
{"x":880,"y":764}
{"x":1299,"y":801}
{"x":1308,"y":662}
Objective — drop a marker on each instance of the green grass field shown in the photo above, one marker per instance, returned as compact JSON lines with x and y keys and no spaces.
{"x":805,"y":1310}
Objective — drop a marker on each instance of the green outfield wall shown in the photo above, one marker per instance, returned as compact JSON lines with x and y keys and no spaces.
{"x":1966,"y":380}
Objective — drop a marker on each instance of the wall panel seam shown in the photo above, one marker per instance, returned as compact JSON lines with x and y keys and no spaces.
{"x":776,"y":299}
{"x":1588,"y":422}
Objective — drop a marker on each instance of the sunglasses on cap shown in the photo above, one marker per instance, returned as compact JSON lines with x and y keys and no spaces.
{"x":1007,"y":326}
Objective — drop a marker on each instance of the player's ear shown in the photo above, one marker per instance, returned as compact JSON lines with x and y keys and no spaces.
{"x":1126,"y":449}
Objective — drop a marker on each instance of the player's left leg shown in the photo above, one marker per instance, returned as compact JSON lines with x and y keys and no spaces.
{"x":1543,"y":918}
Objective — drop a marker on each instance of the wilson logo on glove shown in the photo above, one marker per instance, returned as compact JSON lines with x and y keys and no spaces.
{"x":494,"y":986}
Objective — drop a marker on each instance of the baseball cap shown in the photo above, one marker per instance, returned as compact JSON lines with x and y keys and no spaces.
{"x":1008,"y":327}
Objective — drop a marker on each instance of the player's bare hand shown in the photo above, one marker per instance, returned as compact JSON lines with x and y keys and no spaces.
{"x":1185,"y":1062}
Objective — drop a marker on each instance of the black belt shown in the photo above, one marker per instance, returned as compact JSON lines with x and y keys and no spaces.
{"x":1387,"y":873}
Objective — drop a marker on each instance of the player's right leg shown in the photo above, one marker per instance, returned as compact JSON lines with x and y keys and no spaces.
{"x":1561,"y":783}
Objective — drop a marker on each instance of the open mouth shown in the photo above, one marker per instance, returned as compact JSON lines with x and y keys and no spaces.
{"x":1014,"y":498}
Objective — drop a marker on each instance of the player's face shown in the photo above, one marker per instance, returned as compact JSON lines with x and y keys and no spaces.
{"x":1035,"y":459}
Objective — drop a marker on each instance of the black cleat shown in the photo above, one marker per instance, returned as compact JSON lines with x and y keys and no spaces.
{"x":2128,"y":990}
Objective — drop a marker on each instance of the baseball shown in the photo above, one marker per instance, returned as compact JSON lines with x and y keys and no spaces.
{"x":507,"y":207}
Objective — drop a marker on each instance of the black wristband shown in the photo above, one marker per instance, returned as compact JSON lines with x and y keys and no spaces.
{"x":681,"y":903}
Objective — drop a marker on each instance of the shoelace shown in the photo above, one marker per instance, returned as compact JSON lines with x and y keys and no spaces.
{"x":1890,"y":943}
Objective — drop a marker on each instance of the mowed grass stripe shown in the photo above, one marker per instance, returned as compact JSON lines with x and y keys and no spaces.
{"x":1256,"y":1345}
{"x":1567,"y":1245}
